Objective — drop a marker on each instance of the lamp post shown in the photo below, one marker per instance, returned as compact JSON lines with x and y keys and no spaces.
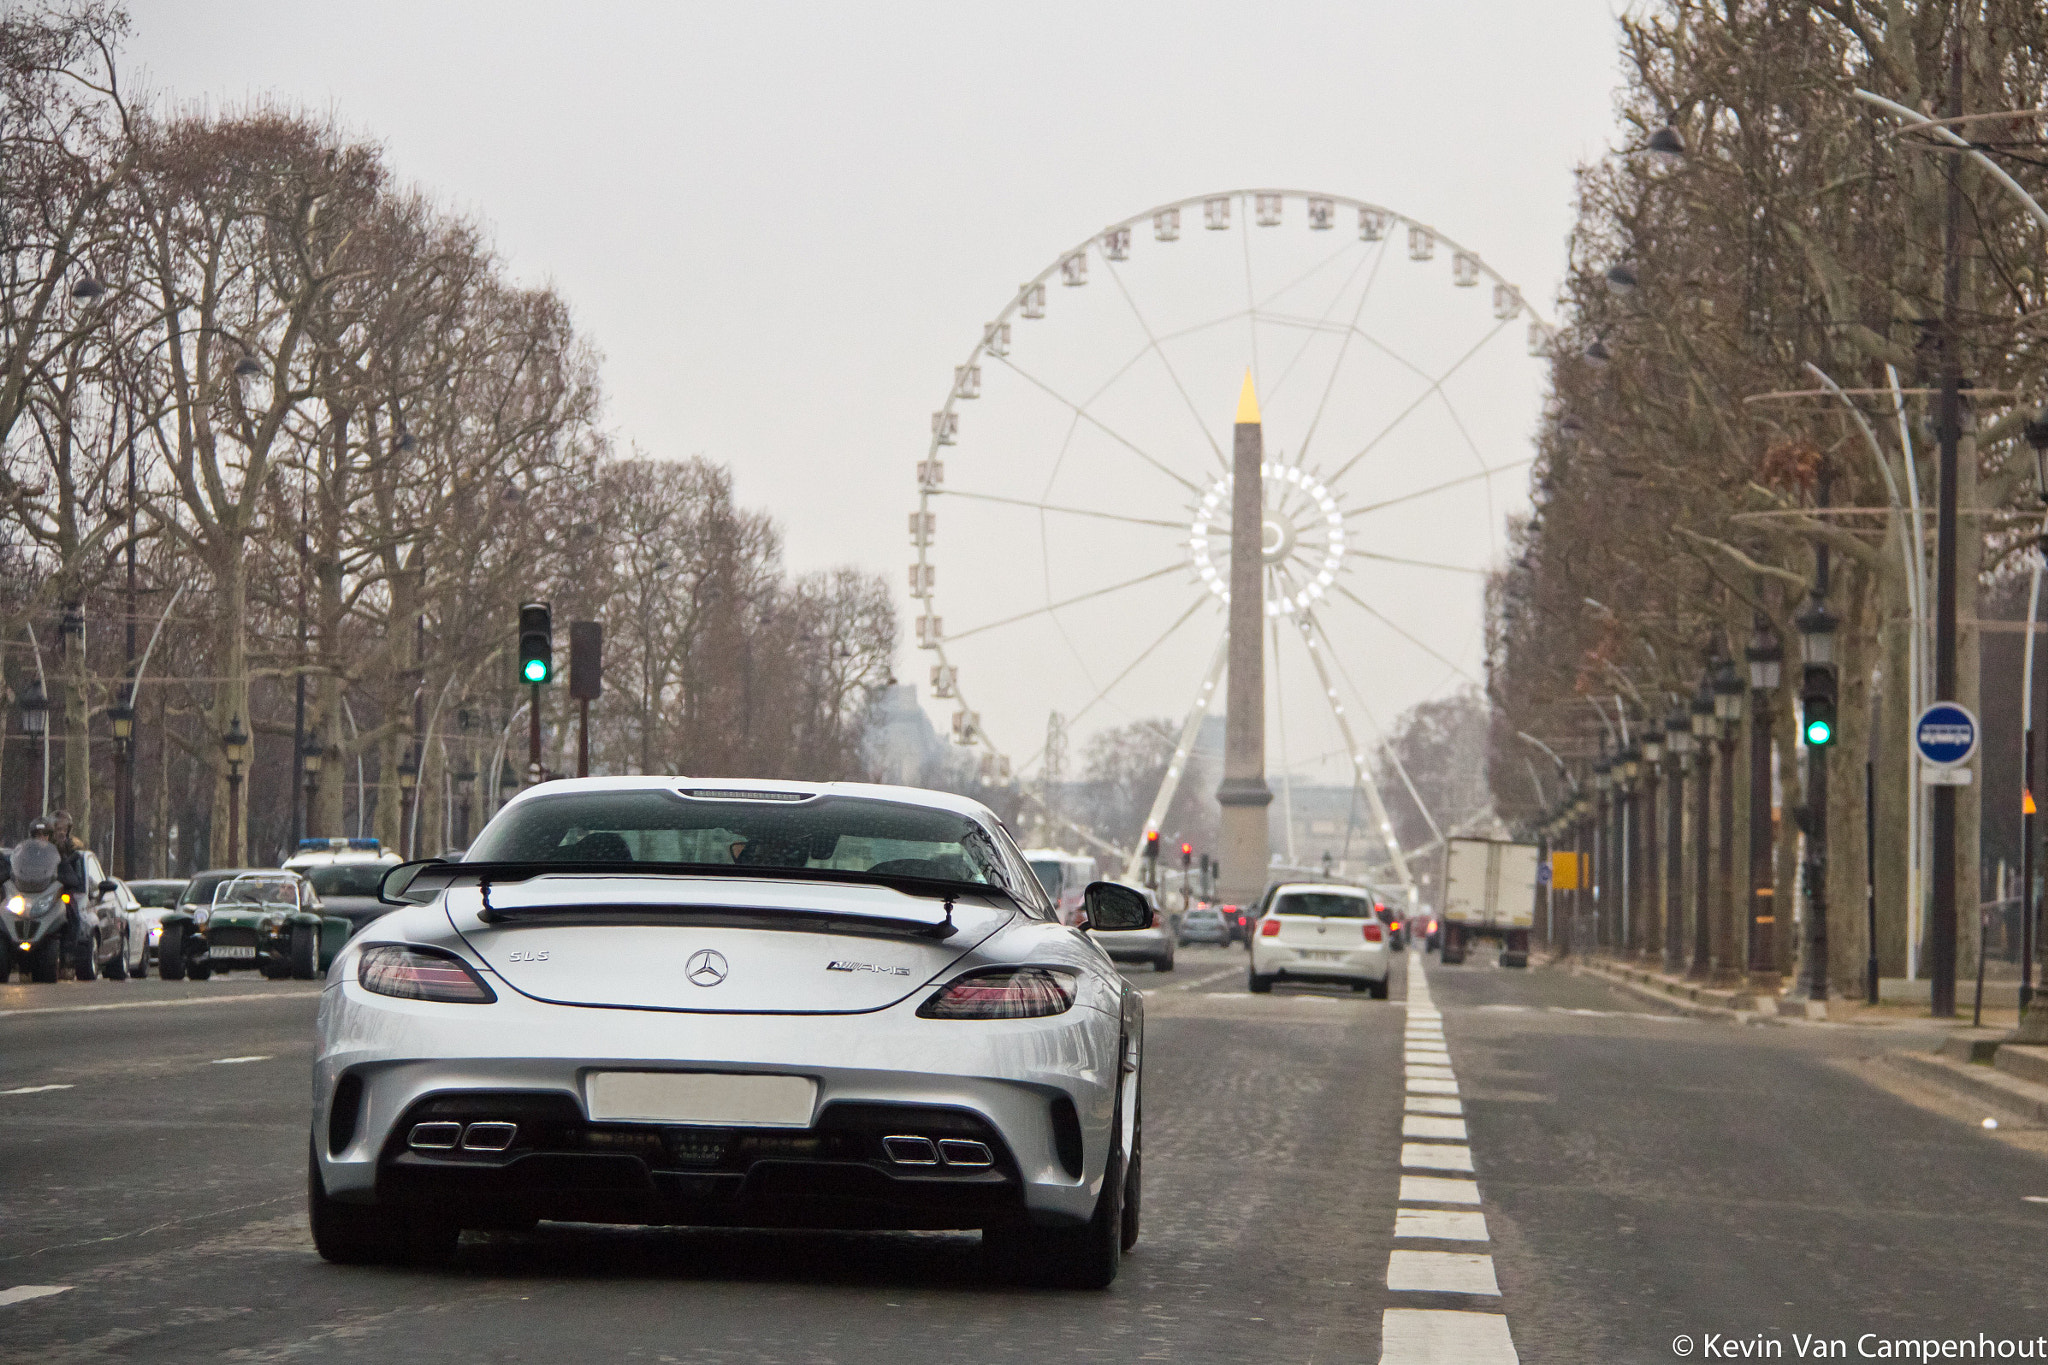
{"x":1678,"y":743}
{"x":310,"y":758}
{"x":1705,"y":729}
{"x":34,"y":705}
{"x":234,"y":747}
{"x":408,"y":785}
{"x":1728,"y":955}
{"x":122,"y":717}
{"x":465,"y":781}
{"x":1817,"y":637}
{"x":1766,"y":658}
{"x":1603,"y":851}
{"x":1630,"y":845}
{"x":1574,"y":930}
{"x":1653,"y":888}
{"x":2037,"y":438}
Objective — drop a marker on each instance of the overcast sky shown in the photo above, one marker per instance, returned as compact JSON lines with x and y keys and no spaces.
{"x":784,"y":224}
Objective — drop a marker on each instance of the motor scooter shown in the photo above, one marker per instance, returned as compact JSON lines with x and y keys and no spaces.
{"x":35,"y":914}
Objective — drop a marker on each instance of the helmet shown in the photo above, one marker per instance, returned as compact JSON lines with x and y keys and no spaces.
{"x":39,"y":828}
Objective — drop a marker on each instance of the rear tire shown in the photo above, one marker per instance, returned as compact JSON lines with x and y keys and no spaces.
{"x":1163,"y":964}
{"x":170,"y":953}
{"x":1086,"y":1257}
{"x":82,"y":961}
{"x":1379,"y":988}
{"x":305,"y":952}
{"x":371,"y":1234}
{"x":1259,"y":985}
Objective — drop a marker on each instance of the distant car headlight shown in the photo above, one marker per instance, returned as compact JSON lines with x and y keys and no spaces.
{"x":421,"y":974}
{"x":1006,"y":993}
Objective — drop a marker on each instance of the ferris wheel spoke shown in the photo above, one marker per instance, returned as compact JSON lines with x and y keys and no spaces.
{"x":1415,"y":563}
{"x":1329,"y":308}
{"x":1175,"y":567}
{"x":1311,"y":273}
{"x":1440,"y":487}
{"x":1344,"y":348}
{"x":1315,"y":624}
{"x":1143,"y":655}
{"x":1053,"y":507}
{"x":1381,"y":617}
{"x":1145,"y":326}
{"x":1081,"y":410}
{"x":1251,"y":302}
{"x":1435,"y":388}
{"x":1477,"y":458}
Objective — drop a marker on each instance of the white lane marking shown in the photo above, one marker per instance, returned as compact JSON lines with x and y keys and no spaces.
{"x":1447,"y":1225}
{"x":1436,"y":1156}
{"x":31,"y":1291}
{"x":1418,"y":1336}
{"x":1434,"y":1104}
{"x":36,"y":1089}
{"x":1195,"y":984}
{"x":1442,"y":1272}
{"x":1423,"y":1085}
{"x":1417,"y":1126}
{"x":163,"y":1004}
{"x":1438,"y":1189}
{"x":2034,"y":1198}
{"x":1431,"y":1073}
{"x":236,"y":1061}
{"x":1426,"y":1056}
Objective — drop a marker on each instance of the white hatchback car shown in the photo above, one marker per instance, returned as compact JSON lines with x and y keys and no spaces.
{"x":1313,"y":931}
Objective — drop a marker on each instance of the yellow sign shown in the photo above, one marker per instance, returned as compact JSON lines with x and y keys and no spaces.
{"x":1564,"y":871}
{"x":2027,"y":805}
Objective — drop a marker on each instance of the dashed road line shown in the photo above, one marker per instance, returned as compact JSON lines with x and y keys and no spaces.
{"x":1197,"y":983}
{"x":21,"y":1292}
{"x":237,"y":1061}
{"x":35,"y":1089}
{"x":163,"y":1004}
{"x":1434,"y":1116}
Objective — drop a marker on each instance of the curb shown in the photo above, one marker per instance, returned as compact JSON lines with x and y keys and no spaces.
{"x":1688,"y":1003}
{"x":1976,"y":1082}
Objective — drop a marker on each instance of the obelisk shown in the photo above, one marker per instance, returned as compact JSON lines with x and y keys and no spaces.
{"x":1244,"y":795}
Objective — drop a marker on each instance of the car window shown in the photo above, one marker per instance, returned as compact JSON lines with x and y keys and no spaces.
{"x":348,"y":879}
{"x":1329,"y":905}
{"x":156,"y":895}
{"x":837,"y":833}
{"x":270,"y":890}
{"x":1047,"y":870}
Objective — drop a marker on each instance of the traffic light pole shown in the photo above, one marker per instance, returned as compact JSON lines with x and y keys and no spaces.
{"x":533,"y":769}
{"x":1941,"y":945}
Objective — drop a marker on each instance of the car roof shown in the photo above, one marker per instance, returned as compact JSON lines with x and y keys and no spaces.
{"x":1332,"y":888}
{"x":872,"y":791}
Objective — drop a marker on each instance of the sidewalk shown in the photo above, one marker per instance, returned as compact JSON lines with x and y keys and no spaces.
{"x":1975,"y":1065}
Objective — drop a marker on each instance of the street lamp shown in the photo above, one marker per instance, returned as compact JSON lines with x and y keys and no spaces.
{"x":310,"y":758}
{"x":1628,"y":846}
{"x":1653,"y":772}
{"x":1677,"y":743}
{"x":2037,"y":437}
{"x":122,"y":717}
{"x":1817,"y":719}
{"x":1766,"y":658}
{"x":465,"y":777}
{"x":1666,"y":144}
{"x":1603,"y":848}
{"x":234,"y":747}
{"x":1705,"y":730}
{"x":408,"y":780}
{"x":34,"y":705}
{"x":1728,"y":701}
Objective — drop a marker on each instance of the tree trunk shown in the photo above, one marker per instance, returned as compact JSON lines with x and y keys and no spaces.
{"x":230,"y":699}
{"x":77,"y":739}
{"x":1895,"y":783}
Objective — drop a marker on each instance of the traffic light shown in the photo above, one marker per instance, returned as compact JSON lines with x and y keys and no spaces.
{"x":1817,"y":707}
{"x":536,"y":643}
{"x":1152,"y":845}
{"x":1187,"y":856}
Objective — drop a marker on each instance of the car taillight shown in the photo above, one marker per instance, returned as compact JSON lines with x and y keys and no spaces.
{"x":1373,"y":933}
{"x":421,"y":974}
{"x":1008,"y":993}
{"x":1270,"y":929}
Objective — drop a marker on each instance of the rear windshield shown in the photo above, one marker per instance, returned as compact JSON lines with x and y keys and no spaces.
{"x":1048,"y":873}
{"x":156,"y":895}
{"x":348,"y":879}
{"x":1327,"y":904}
{"x":838,"y":833}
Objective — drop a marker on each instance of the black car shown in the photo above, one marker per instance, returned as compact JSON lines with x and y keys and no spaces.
{"x":349,"y":889}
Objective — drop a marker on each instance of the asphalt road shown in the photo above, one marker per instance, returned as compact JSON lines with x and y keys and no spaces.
{"x":1639,"y":1177}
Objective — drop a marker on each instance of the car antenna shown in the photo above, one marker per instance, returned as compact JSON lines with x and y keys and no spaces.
{"x":949,"y":917}
{"x":483,"y":888}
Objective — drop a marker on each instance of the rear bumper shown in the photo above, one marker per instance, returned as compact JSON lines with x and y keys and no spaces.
{"x":1136,"y":945}
{"x":1367,"y":964}
{"x":1043,"y":1089}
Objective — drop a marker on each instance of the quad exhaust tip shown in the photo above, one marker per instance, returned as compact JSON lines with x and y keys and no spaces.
{"x":476,"y":1137}
{"x":912,"y":1150}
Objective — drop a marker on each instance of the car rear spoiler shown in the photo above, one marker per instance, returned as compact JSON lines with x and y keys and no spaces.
{"x":415,"y":883}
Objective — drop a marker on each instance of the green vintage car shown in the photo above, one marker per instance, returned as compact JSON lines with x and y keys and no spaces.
{"x":260,"y":918}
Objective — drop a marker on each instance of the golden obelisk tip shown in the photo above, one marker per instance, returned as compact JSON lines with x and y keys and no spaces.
{"x":1247,"y":403}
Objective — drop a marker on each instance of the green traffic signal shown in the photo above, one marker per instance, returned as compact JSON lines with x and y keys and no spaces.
{"x":1818,"y":733}
{"x":536,"y":670}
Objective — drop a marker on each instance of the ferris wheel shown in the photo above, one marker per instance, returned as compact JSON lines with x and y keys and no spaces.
{"x":1072,"y":531}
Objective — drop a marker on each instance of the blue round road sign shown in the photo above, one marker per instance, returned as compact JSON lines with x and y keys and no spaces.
{"x":1946,"y":735}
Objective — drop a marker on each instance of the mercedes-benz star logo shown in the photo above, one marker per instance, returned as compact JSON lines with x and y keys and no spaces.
{"x":706,"y":967}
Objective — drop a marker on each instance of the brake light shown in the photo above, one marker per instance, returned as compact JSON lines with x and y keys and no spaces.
{"x":1007,"y":993}
{"x":1373,"y":932}
{"x":1269,"y":929}
{"x":421,"y":974}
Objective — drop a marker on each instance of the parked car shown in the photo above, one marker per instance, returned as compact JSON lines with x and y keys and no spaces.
{"x":346,"y":873}
{"x":1153,"y":943}
{"x":1064,"y":876}
{"x":1205,"y":924}
{"x":1321,"y":932}
{"x":811,"y":1005}
{"x":155,"y":897}
{"x":265,"y":918}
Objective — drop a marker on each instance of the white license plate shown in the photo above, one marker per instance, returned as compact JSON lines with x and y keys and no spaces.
{"x":230,"y":950}
{"x":1313,"y":956}
{"x":714,"y":1097}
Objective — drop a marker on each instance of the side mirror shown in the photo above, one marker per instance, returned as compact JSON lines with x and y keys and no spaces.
{"x":109,"y":887}
{"x":1114,"y":906}
{"x":392,"y":889}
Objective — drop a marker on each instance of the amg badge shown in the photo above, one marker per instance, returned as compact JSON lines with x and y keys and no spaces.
{"x":842,"y":965}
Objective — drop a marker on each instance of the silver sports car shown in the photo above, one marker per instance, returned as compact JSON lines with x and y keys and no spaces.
{"x":759,"y":1004}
